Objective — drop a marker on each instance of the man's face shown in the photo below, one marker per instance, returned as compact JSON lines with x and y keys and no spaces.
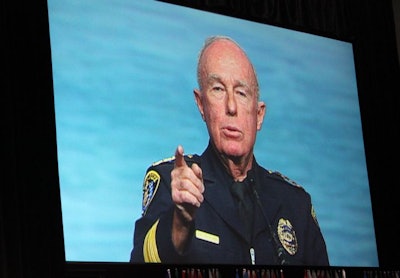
{"x":228,"y":99}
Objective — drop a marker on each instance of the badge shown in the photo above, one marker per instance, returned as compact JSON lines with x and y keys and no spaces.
{"x":150,"y":186}
{"x":314,"y":215}
{"x":287,"y":236}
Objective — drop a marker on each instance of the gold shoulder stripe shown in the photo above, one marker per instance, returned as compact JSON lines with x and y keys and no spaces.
{"x":169,"y":159}
{"x":288,"y":180}
{"x":163,"y":160}
{"x":150,"y":251}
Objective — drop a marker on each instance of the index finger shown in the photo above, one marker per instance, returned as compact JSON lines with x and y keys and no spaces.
{"x":179,"y":159}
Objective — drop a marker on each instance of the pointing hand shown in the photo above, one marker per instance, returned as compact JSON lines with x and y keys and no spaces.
{"x":186,"y":186}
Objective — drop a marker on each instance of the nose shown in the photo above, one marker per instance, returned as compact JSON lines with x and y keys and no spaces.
{"x":231,"y":105}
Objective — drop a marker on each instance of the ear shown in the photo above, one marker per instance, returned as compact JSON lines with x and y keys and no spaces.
{"x":261,"y":110}
{"x":198,"y":99}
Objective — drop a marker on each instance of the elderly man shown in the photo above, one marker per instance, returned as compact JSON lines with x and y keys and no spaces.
{"x":222,"y":207}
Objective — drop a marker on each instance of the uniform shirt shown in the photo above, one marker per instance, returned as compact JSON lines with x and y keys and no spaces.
{"x":285,"y":229}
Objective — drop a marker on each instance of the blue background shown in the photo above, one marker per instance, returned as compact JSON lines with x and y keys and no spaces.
{"x":124,"y":72}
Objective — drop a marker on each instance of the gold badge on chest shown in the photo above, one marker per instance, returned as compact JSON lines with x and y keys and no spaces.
{"x":287,"y":236}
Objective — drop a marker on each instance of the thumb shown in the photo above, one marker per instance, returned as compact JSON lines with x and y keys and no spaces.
{"x":179,"y":160}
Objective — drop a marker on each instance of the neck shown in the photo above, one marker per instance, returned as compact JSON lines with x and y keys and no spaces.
{"x":237,"y":166}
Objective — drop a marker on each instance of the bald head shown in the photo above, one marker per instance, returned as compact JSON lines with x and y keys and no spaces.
{"x":221,"y":48}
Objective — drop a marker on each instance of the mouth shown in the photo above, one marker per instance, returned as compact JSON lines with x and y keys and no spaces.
{"x":231,"y":132}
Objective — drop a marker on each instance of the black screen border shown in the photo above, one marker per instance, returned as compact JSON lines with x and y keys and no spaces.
{"x":32,"y":241}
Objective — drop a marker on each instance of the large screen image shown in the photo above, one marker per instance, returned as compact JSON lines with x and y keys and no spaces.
{"x":124,"y":74}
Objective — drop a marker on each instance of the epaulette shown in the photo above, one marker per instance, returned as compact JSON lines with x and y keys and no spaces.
{"x":165,"y":160}
{"x":171,"y":159}
{"x":285,"y":178}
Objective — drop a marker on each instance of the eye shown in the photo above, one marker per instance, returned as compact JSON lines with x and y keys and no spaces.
{"x":218,"y":88}
{"x":242,"y":93}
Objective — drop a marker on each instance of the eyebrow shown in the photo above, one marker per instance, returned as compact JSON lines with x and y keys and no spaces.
{"x":215,"y":77}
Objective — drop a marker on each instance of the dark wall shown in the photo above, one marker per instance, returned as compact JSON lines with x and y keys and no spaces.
{"x":396,"y":13}
{"x":31,"y":236}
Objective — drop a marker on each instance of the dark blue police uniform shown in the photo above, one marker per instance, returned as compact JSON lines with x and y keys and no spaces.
{"x":285,"y":229}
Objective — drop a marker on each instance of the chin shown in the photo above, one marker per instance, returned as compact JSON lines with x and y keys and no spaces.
{"x":233,"y":150}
